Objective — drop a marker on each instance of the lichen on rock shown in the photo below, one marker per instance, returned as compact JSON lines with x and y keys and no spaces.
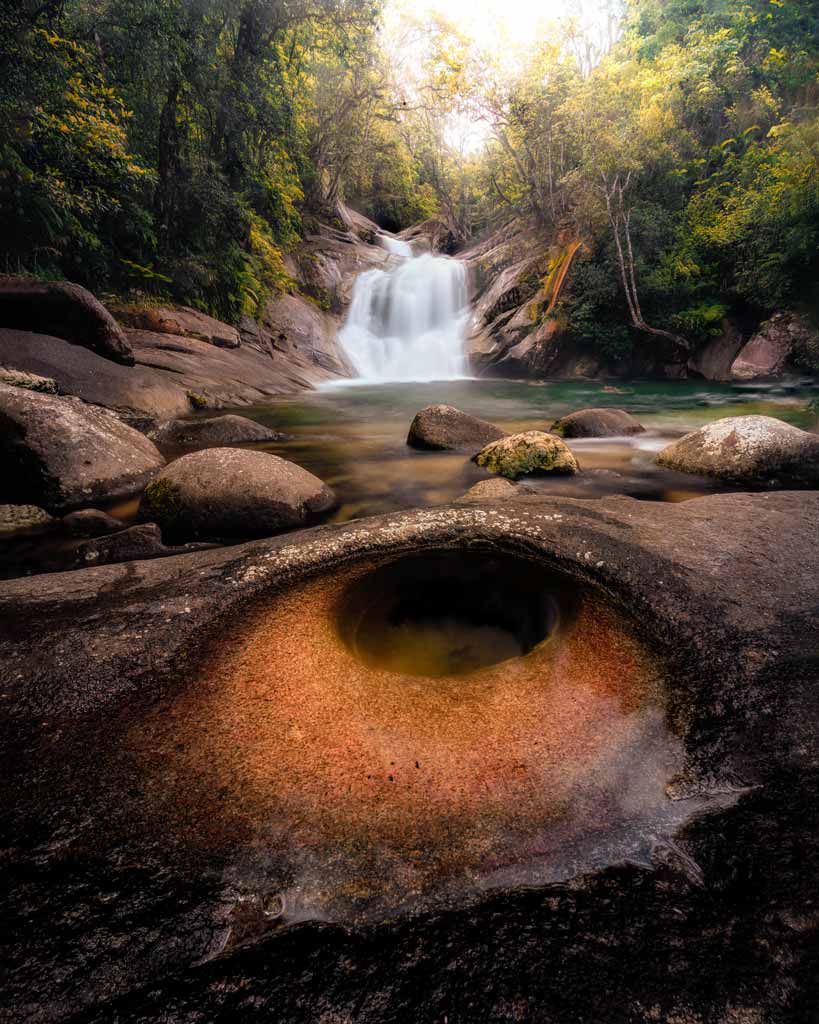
{"x":528,"y":453}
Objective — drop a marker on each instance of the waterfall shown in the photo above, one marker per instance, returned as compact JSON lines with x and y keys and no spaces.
{"x":409,"y":322}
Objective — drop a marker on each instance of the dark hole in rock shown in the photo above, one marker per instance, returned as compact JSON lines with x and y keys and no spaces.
{"x":451,"y":613}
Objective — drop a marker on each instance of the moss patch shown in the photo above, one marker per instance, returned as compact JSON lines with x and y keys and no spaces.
{"x":160,"y":504}
{"x":525,"y":454}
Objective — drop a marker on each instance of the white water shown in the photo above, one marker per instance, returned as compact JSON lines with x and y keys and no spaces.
{"x":408,"y":323}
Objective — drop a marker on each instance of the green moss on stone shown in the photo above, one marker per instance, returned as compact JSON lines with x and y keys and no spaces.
{"x":197,"y":401}
{"x":161,"y":504}
{"x":526,"y":454}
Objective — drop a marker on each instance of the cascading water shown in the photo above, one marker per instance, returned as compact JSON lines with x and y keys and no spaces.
{"x":408,"y":323}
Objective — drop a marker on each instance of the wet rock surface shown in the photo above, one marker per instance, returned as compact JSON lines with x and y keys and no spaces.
{"x":224,"y":492}
{"x":748,"y":449}
{"x":597,"y":423}
{"x":63,"y":454}
{"x":65,"y":310}
{"x":144,"y":541}
{"x":712,"y":918}
{"x":213,"y":431}
{"x":443,"y":428}
{"x":532,"y":452}
{"x":91,"y":522}
{"x":496,"y":489}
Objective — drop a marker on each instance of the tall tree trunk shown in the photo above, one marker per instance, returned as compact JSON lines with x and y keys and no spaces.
{"x":620,"y":220}
{"x":168,"y":166}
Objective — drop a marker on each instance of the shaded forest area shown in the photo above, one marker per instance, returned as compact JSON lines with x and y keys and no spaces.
{"x":180,"y":148}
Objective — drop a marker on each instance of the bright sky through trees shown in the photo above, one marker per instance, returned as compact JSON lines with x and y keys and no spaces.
{"x":494,"y":24}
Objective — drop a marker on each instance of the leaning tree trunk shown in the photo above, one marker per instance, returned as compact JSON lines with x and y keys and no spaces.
{"x":620,"y":220}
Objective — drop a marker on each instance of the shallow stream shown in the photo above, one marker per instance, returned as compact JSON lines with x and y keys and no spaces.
{"x":354,"y":436}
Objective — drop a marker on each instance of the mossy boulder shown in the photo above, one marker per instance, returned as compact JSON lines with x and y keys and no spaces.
{"x":530,"y":453}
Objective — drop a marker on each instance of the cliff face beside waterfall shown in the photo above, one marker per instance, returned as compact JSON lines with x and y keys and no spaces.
{"x":523,"y":289}
{"x":184,"y":360}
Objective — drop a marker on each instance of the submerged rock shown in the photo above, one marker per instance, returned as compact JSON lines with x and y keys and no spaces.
{"x":91,"y":522}
{"x":527,"y":453}
{"x":230,"y":492}
{"x":63,"y":310}
{"x":747,"y":450}
{"x":137,"y":542}
{"x":214,"y":431}
{"x":63,"y":454}
{"x":443,"y":428}
{"x":597,"y":423}
{"x":14,"y":518}
{"x":496,"y":489}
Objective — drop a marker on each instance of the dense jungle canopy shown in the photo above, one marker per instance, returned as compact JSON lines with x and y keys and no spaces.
{"x":180,"y":148}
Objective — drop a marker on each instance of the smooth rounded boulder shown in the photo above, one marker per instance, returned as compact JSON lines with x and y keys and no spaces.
{"x":62,"y":454}
{"x":215,"y":431}
{"x":223,"y":492}
{"x":63,"y":310}
{"x":747,"y":450}
{"x":445,"y":428}
{"x":597,"y":423}
{"x":529,"y":453}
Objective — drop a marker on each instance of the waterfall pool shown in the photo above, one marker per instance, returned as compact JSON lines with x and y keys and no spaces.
{"x":353,"y":436}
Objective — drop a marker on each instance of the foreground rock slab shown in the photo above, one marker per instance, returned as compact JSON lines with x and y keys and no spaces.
{"x":748,"y":450}
{"x":230,"y":492}
{"x":528,"y":453}
{"x":720,"y":925}
{"x":597,"y":423}
{"x":444,"y":428}
{"x":63,"y":454}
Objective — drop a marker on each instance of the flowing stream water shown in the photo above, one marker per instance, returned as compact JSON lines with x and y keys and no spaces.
{"x":408,"y":323}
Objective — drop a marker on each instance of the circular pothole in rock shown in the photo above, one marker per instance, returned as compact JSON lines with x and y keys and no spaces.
{"x":396,"y":733}
{"x":451,"y":613}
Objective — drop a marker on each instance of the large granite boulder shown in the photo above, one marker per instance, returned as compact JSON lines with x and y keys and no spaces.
{"x":757,"y":450}
{"x":63,"y":454}
{"x":532,"y":452}
{"x":214,"y":431}
{"x":774,"y":346}
{"x":597,"y":423}
{"x":714,"y":359}
{"x":65,"y":311}
{"x":224,"y":492}
{"x":442,"y":428}
{"x":122,"y":904}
